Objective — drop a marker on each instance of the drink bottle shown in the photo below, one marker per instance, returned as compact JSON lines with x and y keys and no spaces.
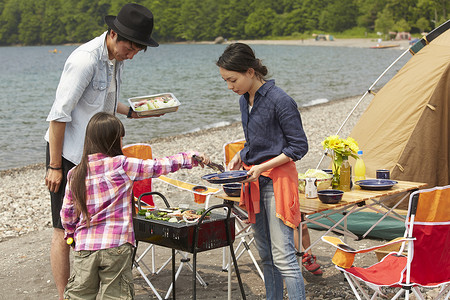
{"x":360,"y":167}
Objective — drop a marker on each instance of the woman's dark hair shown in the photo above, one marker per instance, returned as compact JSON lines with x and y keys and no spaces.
{"x":103,"y":135}
{"x":121,"y":38}
{"x":239,"y":57}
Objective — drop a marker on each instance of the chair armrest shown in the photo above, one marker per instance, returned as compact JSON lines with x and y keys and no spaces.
{"x":345,"y":255}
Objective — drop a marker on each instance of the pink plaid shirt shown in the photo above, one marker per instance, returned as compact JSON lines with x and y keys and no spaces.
{"x":108,"y":187}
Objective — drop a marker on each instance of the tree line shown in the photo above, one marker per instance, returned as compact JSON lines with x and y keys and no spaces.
{"x":52,"y":22}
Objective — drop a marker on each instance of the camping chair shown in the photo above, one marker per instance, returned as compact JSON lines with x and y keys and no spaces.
{"x":427,"y":262}
{"x":243,"y":229}
{"x":143,"y":191}
{"x":143,"y":151}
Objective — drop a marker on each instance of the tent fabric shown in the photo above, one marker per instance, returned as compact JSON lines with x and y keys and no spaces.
{"x":359,"y":222}
{"x":406,"y":126}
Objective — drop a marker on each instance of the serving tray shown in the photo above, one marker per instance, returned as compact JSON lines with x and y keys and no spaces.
{"x":154,"y":111}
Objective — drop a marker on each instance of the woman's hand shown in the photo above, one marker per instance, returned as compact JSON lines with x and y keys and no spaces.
{"x":254,"y":173}
{"x":235,"y":163}
{"x":53,"y":180}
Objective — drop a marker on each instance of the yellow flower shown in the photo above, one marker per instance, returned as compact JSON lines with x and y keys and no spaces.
{"x":341,"y":147}
{"x":352,"y":144}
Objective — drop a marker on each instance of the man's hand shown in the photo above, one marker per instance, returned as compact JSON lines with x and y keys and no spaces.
{"x":53,"y":180}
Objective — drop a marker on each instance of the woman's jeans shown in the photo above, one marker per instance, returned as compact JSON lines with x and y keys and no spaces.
{"x":275,"y":243}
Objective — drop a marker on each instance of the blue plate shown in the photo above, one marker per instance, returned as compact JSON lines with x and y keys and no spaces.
{"x":226,"y":177}
{"x":376,"y":184}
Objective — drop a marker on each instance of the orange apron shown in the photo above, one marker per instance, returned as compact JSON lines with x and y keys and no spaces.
{"x":285,"y":188}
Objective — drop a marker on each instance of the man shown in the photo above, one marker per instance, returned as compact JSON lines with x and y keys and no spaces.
{"x":90,"y":83}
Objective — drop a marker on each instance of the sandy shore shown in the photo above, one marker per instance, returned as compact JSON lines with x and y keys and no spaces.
{"x":357,"y":42}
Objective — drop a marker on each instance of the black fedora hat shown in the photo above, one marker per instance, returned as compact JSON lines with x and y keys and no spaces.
{"x":135,"y":23}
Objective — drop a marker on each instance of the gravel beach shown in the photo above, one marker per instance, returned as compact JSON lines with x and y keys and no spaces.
{"x":25,"y":218}
{"x":25,"y":200}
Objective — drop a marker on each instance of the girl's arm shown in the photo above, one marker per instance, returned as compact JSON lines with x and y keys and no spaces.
{"x":69,"y":218}
{"x":138,"y":169}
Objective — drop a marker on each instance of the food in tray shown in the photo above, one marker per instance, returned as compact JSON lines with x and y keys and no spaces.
{"x":173,"y":215}
{"x":155,"y":103}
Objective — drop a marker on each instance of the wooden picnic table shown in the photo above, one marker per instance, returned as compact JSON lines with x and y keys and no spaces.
{"x":355,"y":200}
{"x":356,"y":195}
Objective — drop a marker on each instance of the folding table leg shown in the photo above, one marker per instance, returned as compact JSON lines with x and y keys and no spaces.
{"x":136,"y":264}
{"x":250,"y":253}
{"x":184,"y":260}
{"x":385,"y":215}
{"x":148,"y":281}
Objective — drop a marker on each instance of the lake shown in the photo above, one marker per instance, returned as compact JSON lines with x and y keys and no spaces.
{"x":310,"y":74}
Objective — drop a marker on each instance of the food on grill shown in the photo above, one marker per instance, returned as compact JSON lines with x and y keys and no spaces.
{"x":173,"y":216}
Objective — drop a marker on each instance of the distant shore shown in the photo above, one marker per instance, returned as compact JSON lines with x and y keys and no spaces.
{"x":357,"y":42}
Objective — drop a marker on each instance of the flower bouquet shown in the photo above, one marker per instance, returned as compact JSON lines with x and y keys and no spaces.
{"x":340,"y":149}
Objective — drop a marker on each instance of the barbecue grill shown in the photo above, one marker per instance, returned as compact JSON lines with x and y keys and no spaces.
{"x":212,"y":230}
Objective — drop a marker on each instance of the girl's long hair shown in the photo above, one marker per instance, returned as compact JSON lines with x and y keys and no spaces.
{"x":103,"y":135}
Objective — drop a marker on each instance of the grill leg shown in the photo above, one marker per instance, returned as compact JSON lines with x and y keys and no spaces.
{"x":236,"y":269}
{"x":173,"y":274}
{"x":194,"y":272}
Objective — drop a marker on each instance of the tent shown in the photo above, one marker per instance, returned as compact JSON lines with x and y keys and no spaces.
{"x":406,"y":126}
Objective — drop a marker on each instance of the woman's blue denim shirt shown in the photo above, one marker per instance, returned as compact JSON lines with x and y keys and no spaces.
{"x":273,"y":126}
{"x":81,"y":93}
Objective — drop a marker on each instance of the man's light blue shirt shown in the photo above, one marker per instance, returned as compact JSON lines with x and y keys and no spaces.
{"x":81,"y":93}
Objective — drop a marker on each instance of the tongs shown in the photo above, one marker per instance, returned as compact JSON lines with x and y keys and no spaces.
{"x":214,"y":166}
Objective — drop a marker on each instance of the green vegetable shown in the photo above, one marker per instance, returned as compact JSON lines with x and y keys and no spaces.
{"x":311,"y":173}
{"x":319,"y":174}
{"x":202,"y":211}
{"x":142,"y":212}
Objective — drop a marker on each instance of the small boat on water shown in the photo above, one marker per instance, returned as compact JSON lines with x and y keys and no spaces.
{"x":378,"y":46}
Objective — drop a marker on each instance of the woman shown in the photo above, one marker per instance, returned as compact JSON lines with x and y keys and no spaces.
{"x":274,"y":140}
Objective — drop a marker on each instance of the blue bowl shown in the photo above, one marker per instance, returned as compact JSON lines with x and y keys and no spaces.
{"x":330,"y":196}
{"x":232,"y":189}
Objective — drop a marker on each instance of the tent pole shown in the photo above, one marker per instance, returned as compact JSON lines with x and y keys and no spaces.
{"x":360,"y":100}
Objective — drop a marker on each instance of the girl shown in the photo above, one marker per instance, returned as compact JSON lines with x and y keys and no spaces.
{"x":274,"y":140}
{"x":97,"y":210}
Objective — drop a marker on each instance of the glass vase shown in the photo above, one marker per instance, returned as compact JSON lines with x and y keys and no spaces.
{"x":335,"y":181}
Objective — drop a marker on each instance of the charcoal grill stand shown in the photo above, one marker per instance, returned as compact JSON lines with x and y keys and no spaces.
{"x":195,"y":249}
{"x":229,"y":242}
